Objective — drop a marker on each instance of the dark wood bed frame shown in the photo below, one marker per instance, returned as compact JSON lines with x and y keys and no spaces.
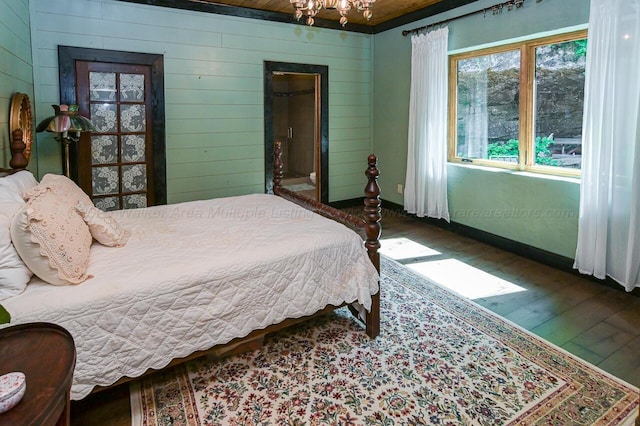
{"x":369,"y":226}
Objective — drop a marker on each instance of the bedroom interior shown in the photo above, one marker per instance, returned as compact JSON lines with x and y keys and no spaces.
{"x":215,"y":135}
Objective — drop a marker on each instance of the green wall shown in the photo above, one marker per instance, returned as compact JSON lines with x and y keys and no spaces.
{"x":16,"y":72}
{"x":214,"y":88}
{"x":214,"y":100}
{"x":540,"y":211}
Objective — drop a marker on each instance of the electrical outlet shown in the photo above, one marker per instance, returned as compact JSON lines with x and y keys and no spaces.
{"x":399,"y":188}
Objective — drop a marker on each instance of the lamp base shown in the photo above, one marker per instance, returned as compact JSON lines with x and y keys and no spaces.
{"x":66,"y":141}
{"x":67,"y":166}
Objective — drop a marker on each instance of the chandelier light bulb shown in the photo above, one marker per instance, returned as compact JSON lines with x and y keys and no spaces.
{"x":310,"y":8}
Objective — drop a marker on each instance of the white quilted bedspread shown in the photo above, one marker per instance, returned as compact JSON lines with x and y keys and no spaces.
{"x":194,"y":275}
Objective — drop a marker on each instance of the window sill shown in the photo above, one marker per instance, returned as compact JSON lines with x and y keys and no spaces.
{"x":528,"y":174}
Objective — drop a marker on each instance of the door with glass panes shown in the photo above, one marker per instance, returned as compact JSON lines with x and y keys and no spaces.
{"x":122,"y":165}
{"x":115,"y":164}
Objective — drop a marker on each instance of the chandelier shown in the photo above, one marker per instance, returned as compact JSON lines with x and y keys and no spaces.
{"x":310,"y":8}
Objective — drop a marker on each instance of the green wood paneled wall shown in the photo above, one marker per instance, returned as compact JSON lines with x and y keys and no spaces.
{"x":16,"y":72}
{"x":214,"y":88}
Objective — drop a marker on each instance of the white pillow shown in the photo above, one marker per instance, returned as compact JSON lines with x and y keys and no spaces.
{"x":103,"y":227}
{"x":14,"y":274}
{"x":13,"y":187}
{"x":50,"y":236}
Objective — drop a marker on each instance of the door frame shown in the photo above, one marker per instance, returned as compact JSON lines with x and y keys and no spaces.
{"x":67,"y":57}
{"x":269,"y":134}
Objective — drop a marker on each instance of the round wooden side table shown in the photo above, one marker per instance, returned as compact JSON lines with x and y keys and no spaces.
{"x":46,"y":354}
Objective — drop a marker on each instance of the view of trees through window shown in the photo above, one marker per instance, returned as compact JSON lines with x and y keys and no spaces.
{"x":559,"y":98}
{"x":491,"y":115}
{"x":488,"y":93}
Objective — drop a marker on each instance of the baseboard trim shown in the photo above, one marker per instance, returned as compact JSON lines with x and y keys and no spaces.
{"x":545,"y":257}
{"x":346,"y":204}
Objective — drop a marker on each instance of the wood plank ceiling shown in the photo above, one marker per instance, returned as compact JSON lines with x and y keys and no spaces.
{"x":383,"y":10}
{"x":387,"y":14}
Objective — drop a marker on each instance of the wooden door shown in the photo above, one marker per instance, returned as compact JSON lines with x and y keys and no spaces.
{"x":122,"y":164}
{"x":115,"y":164}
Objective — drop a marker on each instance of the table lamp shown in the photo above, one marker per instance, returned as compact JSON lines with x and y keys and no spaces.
{"x":68,"y":125}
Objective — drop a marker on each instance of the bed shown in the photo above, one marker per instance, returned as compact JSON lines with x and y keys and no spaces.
{"x":208,"y":276}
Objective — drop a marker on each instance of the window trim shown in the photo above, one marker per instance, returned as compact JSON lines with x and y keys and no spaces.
{"x":526,"y":136}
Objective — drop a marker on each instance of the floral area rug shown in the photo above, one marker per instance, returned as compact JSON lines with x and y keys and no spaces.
{"x":440,"y":360}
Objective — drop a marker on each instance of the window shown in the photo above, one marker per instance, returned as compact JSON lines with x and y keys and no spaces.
{"x":519,"y":106}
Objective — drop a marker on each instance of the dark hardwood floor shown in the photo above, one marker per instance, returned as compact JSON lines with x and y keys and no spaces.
{"x":595,"y":322}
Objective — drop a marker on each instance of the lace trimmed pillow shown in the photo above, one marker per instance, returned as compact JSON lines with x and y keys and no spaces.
{"x":62,"y":186}
{"x":49,"y":235}
{"x":103,"y":227}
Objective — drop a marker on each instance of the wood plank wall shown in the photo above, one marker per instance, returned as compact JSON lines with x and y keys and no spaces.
{"x":214,"y":87}
{"x":16,"y":71}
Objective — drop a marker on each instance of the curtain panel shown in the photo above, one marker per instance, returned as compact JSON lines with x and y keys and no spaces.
{"x":425,"y":191}
{"x":609,"y":221}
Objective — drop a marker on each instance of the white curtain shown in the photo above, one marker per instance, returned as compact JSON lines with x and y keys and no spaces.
{"x":609,"y":223}
{"x":425,"y":191}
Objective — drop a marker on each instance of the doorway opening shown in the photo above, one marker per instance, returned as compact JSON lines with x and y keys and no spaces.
{"x":296,"y":114}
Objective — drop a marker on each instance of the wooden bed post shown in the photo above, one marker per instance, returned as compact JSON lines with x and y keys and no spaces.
{"x":372,"y":229}
{"x":278,"y":166}
{"x":18,"y":160}
{"x":370,"y":224}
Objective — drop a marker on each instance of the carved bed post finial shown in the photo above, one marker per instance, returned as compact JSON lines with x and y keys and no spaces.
{"x":17,"y":146}
{"x":278,"y":167}
{"x":372,"y":229}
{"x":372,"y":211}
